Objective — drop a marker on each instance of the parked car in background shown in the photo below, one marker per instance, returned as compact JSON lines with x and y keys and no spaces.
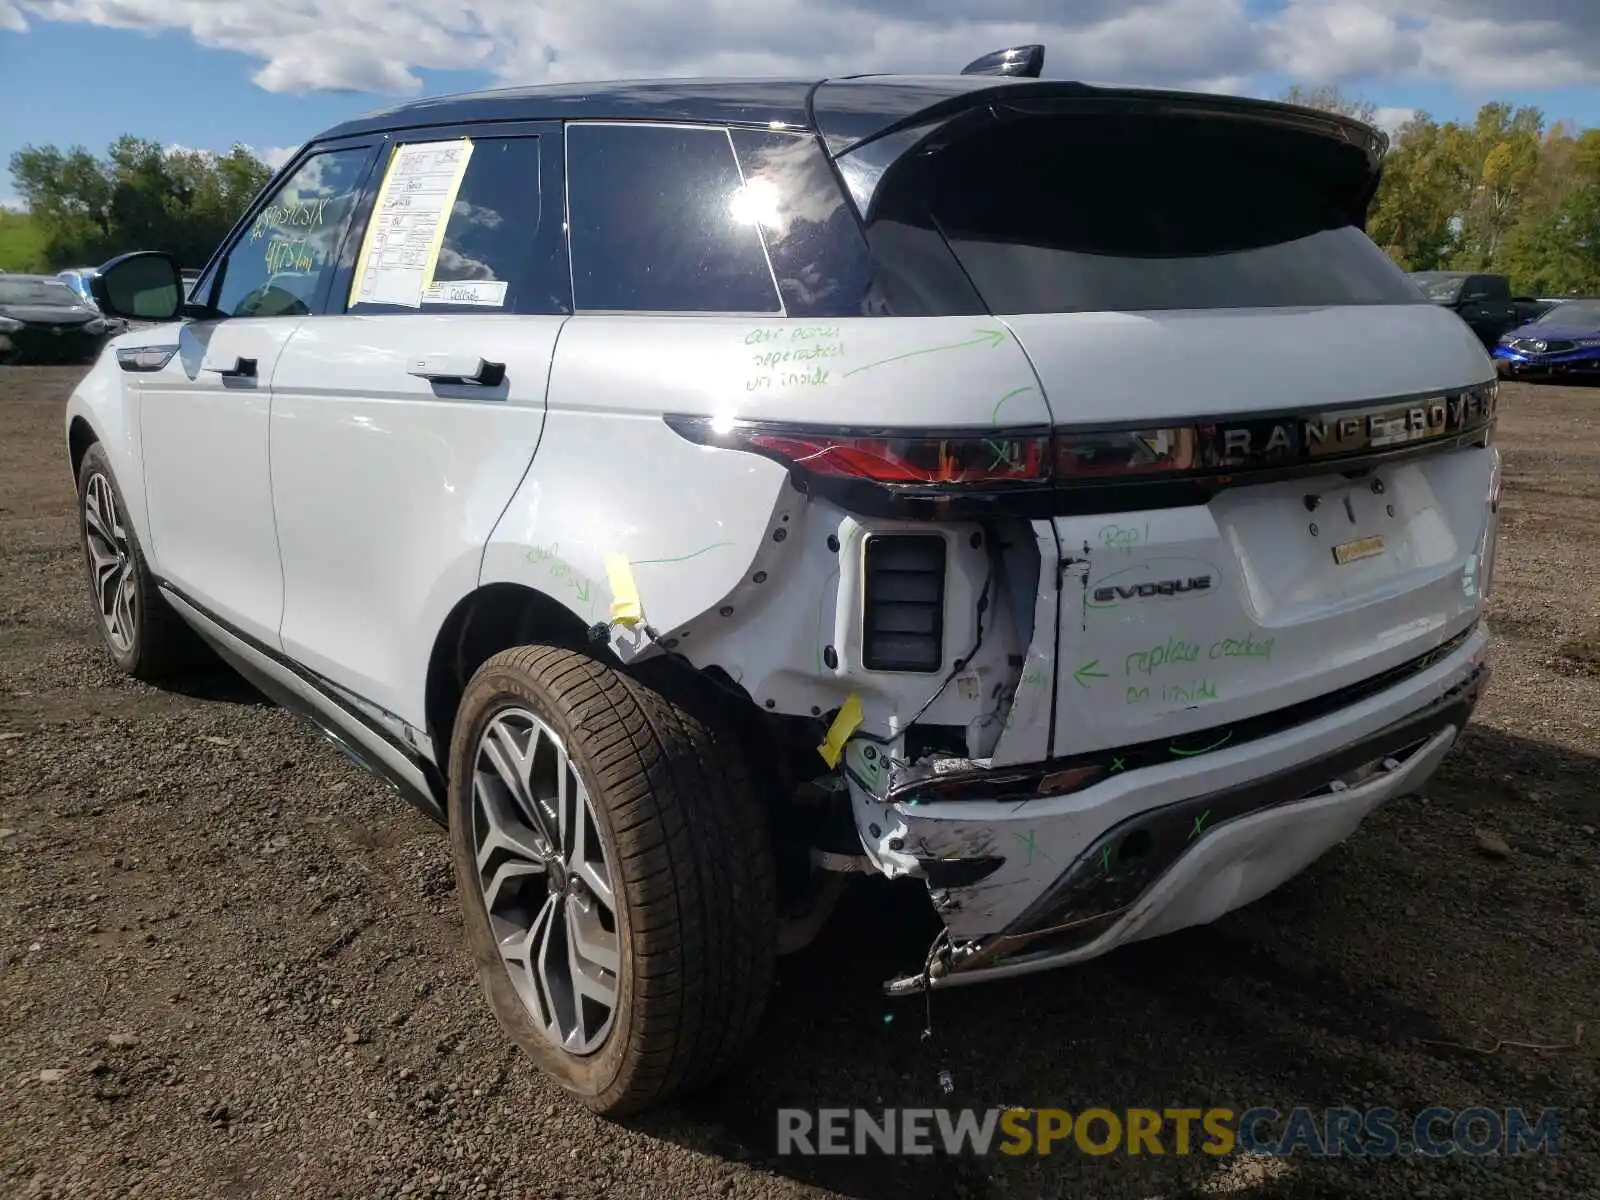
{"x":77,"y":278}
{"x":1565,"y":341}
{"x":1483,"y":300}
{"x":762,"y":483}
{"x":188,"y":279}
{"x":44,"y":320}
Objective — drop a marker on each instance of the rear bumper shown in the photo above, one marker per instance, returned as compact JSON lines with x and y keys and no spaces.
{"x":1028,"y":885}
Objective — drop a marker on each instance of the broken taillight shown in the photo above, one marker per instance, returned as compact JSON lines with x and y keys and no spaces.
{"x":926,"y":460}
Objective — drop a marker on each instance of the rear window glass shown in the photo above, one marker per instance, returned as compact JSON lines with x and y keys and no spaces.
{"x":1082,"y":214}
{"x":661,"y":222}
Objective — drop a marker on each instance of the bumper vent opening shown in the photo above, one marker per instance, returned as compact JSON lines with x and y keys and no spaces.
{"x":903,"y":617}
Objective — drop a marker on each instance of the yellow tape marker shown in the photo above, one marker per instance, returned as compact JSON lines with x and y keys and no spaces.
{"x":846,"y":723}
{"x":625,"y":606}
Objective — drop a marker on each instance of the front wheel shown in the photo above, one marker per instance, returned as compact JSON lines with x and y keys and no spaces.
{"x":144,"y":637}
{"x":616,"y":877}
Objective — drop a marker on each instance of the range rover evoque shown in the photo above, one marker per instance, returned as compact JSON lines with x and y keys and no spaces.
{"x":692,"y":493}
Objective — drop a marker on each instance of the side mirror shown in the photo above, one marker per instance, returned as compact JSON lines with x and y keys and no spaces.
{"x":144,"y":286}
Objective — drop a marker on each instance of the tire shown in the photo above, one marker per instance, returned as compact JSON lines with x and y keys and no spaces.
{"x":159,"y":646}
{"x":689,"y":856}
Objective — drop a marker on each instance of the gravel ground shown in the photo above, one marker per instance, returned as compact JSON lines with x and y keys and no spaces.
{"x":231,"y":964}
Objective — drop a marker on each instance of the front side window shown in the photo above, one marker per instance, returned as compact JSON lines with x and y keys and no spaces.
{"x":283,"y":258}
{"x":661,"y":221}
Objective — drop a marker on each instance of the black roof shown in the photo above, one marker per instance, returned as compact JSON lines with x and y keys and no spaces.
{"x":844,"y":110}
{"x":712,"y":101}
{"x":848,"y":108}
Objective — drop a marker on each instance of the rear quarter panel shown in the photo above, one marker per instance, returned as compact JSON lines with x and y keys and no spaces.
{"x":704,"y":530}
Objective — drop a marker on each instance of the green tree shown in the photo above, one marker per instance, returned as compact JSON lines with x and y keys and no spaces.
{"x":1329,"y":98}
{"x":138,"y":197}
{"x":22,"y":243}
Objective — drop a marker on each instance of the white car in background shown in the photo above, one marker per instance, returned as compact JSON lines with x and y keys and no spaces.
{"x":696,"y":492}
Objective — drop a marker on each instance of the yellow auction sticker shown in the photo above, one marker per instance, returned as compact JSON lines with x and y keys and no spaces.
{"x":1361,"y":548}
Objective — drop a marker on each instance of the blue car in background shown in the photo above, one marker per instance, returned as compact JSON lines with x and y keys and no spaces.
{"x":1564,"y":341}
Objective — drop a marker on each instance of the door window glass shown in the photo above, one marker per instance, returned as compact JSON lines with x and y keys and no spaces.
{"x":277,"y":267}
{"x":487,"y":259}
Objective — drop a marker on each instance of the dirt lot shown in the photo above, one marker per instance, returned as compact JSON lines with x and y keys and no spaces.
{"x":231,"y":964}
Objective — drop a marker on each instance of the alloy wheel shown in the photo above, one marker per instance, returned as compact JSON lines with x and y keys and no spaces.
{"x":546,"y":880}
{"x":111,"y":566}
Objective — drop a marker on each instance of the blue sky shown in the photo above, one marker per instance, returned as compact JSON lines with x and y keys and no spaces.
{"x":205,"y":74}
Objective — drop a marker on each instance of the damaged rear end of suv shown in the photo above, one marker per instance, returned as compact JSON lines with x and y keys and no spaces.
{"x":1043,"y":495}
{"x":1140,"y":565}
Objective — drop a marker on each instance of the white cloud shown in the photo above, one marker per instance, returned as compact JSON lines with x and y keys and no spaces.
{"x":378,"y":45}
{"x":1389,"y":119}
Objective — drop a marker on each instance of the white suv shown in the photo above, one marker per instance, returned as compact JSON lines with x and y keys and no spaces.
{"x":692,"y":493}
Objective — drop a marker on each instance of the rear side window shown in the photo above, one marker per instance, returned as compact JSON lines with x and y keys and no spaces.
{"x":661,"y":222}
{"x":487,"y":259}
{"x":1108,"y":213}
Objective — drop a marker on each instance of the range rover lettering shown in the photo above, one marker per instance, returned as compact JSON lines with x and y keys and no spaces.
{"x":694,"y":495}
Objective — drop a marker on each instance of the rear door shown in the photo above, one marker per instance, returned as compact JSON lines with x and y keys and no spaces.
{"x":404,"y":418}
{"x":1264,"y":488}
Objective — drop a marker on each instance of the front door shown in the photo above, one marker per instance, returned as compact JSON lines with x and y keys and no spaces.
{"x":203,"y":417}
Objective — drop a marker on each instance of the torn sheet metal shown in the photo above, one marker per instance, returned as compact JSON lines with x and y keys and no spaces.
{"x":1026,"y":733}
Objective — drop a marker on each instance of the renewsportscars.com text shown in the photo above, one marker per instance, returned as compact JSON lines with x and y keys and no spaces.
{"x":1331,"y":1132}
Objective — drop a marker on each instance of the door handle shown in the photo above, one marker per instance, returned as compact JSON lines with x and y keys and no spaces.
{"x":243,"y":368}
{"x":458,"y":368}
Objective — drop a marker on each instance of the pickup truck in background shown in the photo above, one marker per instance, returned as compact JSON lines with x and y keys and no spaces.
{"x":1483,"y":301}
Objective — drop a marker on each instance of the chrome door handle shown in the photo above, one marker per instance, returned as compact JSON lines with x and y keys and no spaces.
{"x":458,"y":368}
{"x":242,"y":368}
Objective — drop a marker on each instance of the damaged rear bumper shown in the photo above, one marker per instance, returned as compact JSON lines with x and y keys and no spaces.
{"x":1030,"y":882}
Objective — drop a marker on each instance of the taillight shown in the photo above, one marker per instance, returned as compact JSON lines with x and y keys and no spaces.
{"x":925,"y":460}
{"x":1173,"y":463}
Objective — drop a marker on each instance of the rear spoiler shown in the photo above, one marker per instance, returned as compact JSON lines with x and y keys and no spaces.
{"x":866,"y":138}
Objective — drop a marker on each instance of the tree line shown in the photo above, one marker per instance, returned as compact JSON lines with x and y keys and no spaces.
{"x":1506,"y":192}
{"x":83,"y":209}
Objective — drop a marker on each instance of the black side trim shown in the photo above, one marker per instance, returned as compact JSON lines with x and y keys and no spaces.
{"x":1026,"y":781}
{"x":336,"y":731}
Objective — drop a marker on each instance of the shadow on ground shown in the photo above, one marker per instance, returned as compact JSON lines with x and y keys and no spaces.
{"x":1261,"y":1008}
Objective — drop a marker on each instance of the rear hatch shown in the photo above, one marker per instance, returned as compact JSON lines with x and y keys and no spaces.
{"x":1272,"y":473}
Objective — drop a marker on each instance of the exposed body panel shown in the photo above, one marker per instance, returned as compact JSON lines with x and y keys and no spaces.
{"x":698,"y":523}
{"x":1040,"y":839}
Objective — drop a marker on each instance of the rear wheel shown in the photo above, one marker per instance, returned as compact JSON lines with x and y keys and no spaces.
{"x":144,"y":637}
{"x":616,"y":877}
